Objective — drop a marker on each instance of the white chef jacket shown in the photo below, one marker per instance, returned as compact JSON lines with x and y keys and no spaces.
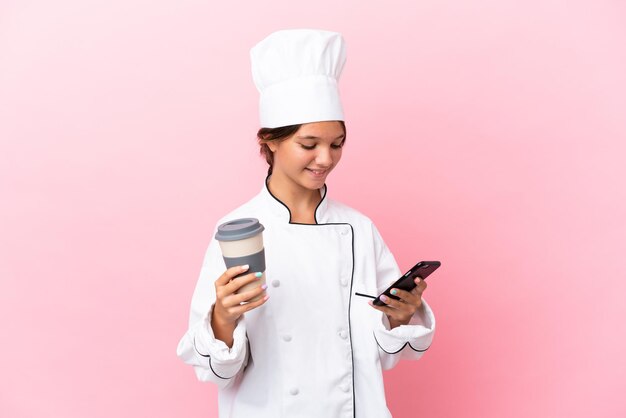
{"x":314,"y":349}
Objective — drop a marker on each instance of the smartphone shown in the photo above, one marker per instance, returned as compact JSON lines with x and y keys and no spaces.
{"x":423,"y":269}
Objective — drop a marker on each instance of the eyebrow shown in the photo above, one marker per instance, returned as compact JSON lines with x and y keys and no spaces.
{"x":317,"y":137}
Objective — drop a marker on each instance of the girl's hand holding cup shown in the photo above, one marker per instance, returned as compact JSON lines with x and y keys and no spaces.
{"x":229,"y":304}
{"x":241,"y":242}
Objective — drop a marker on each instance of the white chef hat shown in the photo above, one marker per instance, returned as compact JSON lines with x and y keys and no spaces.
{"x":296,"y":71}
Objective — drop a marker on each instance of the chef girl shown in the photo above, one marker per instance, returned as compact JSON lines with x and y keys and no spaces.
{"x":308,"y":347}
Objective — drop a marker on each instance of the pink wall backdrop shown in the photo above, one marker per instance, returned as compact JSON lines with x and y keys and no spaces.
{"x":494,"y":129}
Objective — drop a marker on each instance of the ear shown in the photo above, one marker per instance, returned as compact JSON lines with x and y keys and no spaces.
{"x":272,"y":145}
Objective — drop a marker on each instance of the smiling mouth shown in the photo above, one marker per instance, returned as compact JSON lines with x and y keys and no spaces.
{"x":318,"y":172}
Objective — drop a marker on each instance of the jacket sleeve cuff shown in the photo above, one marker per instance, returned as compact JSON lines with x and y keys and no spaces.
{"x":224,"y":362}
{"x":417,"y":334}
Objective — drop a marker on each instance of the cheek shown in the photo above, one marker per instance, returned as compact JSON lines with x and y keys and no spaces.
{"x":301,"y":157}
{"x":337,"y":155}
{"x":296,"y":158}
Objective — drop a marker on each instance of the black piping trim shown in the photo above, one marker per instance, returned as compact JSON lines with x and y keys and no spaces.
{"x":209,"y":357}
{"x":351,"y":275}
{"x":419,"y":351}
{"x":349,"y":322}
{"x":249,"y":355}
{"x":401,"y":348}
{"x":317,"y":207}
{"x":289,"y":210}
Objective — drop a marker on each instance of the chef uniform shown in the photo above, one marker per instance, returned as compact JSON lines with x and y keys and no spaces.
{"x":314,"y":349}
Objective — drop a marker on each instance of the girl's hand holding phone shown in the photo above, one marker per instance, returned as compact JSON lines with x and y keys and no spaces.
{"x":229,"y":305}
{"x":402,"y":310}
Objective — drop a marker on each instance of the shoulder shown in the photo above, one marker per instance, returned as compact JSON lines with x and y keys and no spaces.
{"x":342,"y":212}
{"x":362,"y":224}
{"x":249,"y":209}
{"x":367,"y":236}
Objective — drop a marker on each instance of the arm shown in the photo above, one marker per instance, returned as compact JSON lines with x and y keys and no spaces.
{"x":403,"y":339}
{"x":212,"y":359}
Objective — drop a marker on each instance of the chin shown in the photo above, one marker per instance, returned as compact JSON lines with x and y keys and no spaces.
{"x":310,"y":185}
{"x":313,"y":184}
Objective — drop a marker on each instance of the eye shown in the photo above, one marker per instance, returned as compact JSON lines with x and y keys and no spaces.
{"x":333,"y":146}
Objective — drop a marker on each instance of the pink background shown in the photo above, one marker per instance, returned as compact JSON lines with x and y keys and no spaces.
{"x":487,"y":134}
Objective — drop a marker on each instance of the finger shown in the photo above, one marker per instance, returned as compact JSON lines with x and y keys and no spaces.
{"x":241,"y":309}
{"x":238,"y":282}
{"x":421,"y":286}
{"x":403,"y":308}
{"x":391,"y":313}
{"x":230,"y":274}
{"x":237,"y":299}
{"x":408,"y":297}
{"x":392,"y":303}
{"x":385,"y":309}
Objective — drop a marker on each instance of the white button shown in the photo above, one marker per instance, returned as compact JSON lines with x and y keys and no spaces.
{"x":345,"y":387}
{"x":276,"y":283}
{"x":343,"y":334}
{"x":344,"y":282}
{"x":287,"y":337}
{"x":344,"y":232}
{"x":294,"y":391}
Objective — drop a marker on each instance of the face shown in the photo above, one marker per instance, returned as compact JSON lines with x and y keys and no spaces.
{"x":308,"y":156}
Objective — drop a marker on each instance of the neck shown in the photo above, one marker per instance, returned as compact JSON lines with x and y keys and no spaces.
{"x":301,"y":201}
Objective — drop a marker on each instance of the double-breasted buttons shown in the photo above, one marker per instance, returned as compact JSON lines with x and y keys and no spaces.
{"x":344,"y":232}
{"x":294,"y":391}
{"x":345,"y":387}
{"x":286,"y":337}
{"x":343,"y":282}
{"x":275,"y":283}
{"x":343,"y":334}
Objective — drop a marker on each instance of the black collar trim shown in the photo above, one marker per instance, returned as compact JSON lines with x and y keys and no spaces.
{"x":287,"y":207}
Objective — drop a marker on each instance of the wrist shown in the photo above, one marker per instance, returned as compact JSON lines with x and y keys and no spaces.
{"x":393,"y":323}
{"x":218,"y":318}
{"x":223,"y":330}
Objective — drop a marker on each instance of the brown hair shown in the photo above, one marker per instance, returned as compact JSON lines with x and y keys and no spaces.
{"x":265,"y":135}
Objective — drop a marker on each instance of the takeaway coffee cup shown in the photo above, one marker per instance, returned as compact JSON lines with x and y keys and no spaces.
{"x":241,"y":241}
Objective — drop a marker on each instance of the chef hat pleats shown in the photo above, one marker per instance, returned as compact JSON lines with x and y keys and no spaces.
{"x":296,"y":73}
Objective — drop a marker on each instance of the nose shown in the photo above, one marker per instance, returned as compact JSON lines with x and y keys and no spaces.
{"x":323,"y":157}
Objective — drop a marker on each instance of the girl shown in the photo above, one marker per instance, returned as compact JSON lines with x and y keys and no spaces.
{"x":307,"y":347}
